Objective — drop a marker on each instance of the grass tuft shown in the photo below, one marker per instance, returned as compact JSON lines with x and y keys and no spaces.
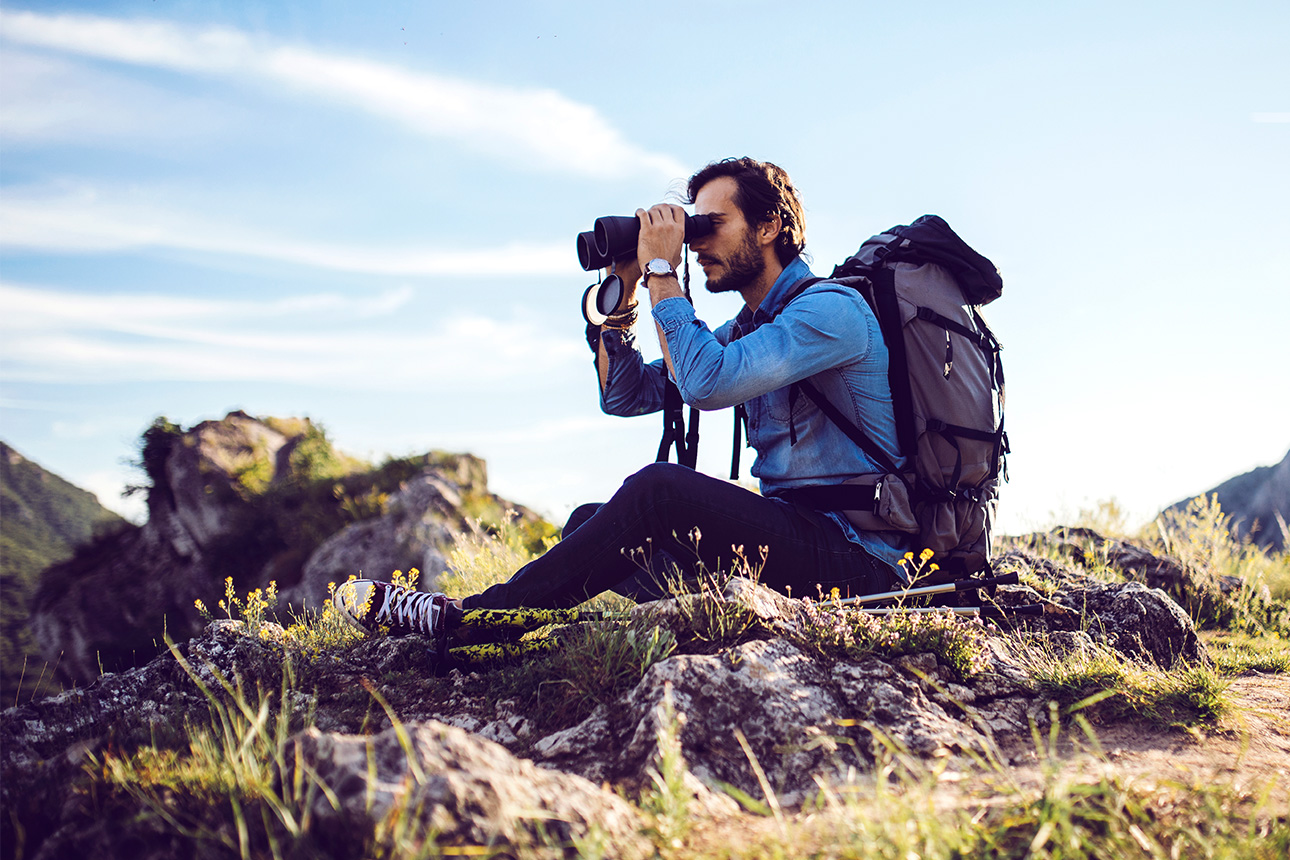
{"x":1239,"y":653}
{"x":1101,"y":682}
{"x":836,"y":631}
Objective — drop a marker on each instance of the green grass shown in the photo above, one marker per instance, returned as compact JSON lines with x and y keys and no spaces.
{"x":907,"y":808}
{"x":958,"y":643}
{"x":233,"y":786}
{"x":1239,"y":653}
{"x":1102,"y":683}
{"x":1200,"y":538}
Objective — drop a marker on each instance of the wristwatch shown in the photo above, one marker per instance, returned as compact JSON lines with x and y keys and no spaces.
{"x":657,"y":267}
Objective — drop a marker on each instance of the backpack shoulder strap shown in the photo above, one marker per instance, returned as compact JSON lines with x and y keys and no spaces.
{"x":854,"y":433}
{"x":888,"y":314}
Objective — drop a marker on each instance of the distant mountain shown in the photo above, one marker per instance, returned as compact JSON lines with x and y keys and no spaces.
{"x":43,"y":519}
{"x":1254,"y":500}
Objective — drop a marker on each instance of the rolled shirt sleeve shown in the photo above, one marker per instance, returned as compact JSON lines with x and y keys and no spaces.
{"x":632,"y":386}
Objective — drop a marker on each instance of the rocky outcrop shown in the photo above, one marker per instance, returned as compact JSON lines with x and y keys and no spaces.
{"x":752,"y":701}
{"x":1139,"y":621}
{"x":1213,"y":600}
{"x":255,"y":501}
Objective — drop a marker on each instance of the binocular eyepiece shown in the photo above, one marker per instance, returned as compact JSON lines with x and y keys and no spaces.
{"x":615,"y":236}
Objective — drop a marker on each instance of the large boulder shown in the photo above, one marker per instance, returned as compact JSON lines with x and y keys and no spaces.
{"x":1139,"y":621}
{"x":776,"y":704}
{"x":421,"y":522}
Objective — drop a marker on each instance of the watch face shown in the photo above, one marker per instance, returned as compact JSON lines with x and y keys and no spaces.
{"x":659,"y":266}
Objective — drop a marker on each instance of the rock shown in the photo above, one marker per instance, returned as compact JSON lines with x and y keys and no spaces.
{"x":246,"y":499}
{"x":1139,"y":622}
{"x":463,"y":788}
{"x":741,"y":605}
{"x":799,"y":717}
{"x":421,"y":523}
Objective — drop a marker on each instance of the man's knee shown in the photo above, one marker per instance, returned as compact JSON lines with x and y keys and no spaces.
{"x":661,"y":479}
{"x":580,"y":515}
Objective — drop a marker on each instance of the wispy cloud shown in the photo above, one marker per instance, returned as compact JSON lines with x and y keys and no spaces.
{"x":52,"y":98}
{"x":542,"y":126}
{"x":84,"y":219}
{"x":49,"y":335}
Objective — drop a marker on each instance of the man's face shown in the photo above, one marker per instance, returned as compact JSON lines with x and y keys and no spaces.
{"x":730,"y":256}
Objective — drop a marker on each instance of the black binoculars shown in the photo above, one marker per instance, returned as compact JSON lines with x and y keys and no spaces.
{"x":615,"y":236}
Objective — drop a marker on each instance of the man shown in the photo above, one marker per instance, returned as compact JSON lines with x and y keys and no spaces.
{"x":670,"y":512}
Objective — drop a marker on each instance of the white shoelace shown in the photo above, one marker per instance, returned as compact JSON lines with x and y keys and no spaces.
{"x":417,"y":609}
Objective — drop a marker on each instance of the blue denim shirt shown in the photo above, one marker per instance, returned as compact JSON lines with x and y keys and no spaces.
{"x":828,"y":334}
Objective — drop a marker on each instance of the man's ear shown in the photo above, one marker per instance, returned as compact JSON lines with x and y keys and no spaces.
{"x":768,"y":231}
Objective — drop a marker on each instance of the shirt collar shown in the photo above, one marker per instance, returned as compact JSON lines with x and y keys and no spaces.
{"x":794,"y":273}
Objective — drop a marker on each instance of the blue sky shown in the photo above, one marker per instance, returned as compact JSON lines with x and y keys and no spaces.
{"x":365,"y":213}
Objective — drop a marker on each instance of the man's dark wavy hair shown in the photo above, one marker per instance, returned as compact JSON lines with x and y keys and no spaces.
{"x":764,"y":190}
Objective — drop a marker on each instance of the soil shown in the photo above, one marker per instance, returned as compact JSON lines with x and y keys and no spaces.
{"x":1249,"y":749}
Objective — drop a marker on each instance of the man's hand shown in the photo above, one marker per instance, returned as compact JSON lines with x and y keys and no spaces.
{"x":662,"y":234}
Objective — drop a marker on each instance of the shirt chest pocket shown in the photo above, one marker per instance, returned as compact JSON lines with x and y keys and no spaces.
{"x":782,"y":407}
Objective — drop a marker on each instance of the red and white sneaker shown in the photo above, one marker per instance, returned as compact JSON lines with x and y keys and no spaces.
{"x":370,"y":605}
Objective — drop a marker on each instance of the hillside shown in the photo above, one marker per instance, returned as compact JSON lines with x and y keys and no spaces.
{"x":43,"y":519}
{"x":1254,"y":501}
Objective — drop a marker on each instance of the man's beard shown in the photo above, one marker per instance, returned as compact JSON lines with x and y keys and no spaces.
{"x":743,"y":267}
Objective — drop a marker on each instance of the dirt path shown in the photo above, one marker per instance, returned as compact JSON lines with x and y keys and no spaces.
{"x":1249,"y":750}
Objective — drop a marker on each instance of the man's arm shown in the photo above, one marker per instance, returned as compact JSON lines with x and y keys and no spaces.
{"x":628,"y":386}
{"x":828,"y":326}
{"x":630,"y":273}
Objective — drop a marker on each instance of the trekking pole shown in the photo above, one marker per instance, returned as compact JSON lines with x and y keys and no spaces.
{"x":944,"y":588}
{"x":989,"y":613}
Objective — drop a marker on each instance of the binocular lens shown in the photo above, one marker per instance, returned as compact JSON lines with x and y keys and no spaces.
{"x":589,"y":255}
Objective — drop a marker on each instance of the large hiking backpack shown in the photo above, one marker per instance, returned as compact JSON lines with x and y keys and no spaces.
{"x":925,"y":286}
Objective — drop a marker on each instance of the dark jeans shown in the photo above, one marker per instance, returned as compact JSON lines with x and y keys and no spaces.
{"x":656,"y":510}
